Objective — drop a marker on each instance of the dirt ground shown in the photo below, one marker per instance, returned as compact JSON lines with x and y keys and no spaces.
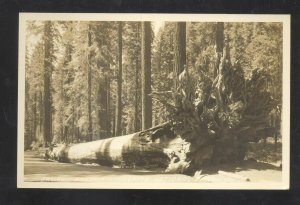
{"x":37,"y":169}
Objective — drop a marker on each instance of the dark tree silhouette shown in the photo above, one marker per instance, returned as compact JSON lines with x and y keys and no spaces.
{"x":146,"y":76}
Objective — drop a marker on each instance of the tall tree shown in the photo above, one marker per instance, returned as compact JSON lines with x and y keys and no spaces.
{"x":136,"y":87}
{"x":103,"y":60}
{"x":146,"y":76}
{"x":34,"y":66}
{"x":103,"y":101}
{"x":63,"y":77}
{"x":119,"y":83}
{"x":179,"y":50}
{"x":219,"y":44}
{"x":220,"y":37}
{"x":131,"y":77}
{"x":48,"y":58}
{"x":90,"y":124}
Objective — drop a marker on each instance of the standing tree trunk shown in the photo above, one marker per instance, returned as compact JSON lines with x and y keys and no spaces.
{"x":90,"y":128}
{"x":62,"y":96}
{"x":41,"y":117}
{"x":179,"y":50}
{"x":220,"y":37}
{"x":51,"y":111}
{"x":113,"y":129}
{"x":67,"y":79}
{"x":219,"y":45}
{"x":146,"y":76}
{"x":119,"y":84}
{"x":103,"y":103}
{"x":136,"y":87}
{"x":48,"y":47}
{"x":28,"y":125}
{"x":108,"y":114}
{"x":73,"y":125}
{"x":157,"y":116}
{"x":34,"y":117}
{"x":136,"y":106}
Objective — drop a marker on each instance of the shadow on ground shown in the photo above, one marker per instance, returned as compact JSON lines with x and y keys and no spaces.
{"x":246,"y":165}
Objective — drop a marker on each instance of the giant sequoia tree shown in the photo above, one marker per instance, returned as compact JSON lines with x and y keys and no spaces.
{"x":48,"y":60}
{"x":146,"y":76}
{"x":219,"y":45}
{"x":136,"y":83}
{"x":179,"y":50}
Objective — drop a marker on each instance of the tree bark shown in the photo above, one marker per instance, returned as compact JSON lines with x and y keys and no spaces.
{"x":139,"y":149}
{"x":34,"y":116}
{"x":51,"y":111}
{"x":41,"y":117}
{"x":47,"y":75}
{"x":220,"y":37}
{"x":108,"y":110}
{"x":67,"y":79}
{"x":146,"y":76}
{"x":118,"y":129}
{"x":62,"y":116}
{"x":28,"y":125}
{"x":136,"y":87}
{"x":179,"y":51}
{"x":219,"y":45}
{"x":102,"y":113}
{"x":90,"y":125}
{"x":73,"y":125}
{"x":113,"y":121}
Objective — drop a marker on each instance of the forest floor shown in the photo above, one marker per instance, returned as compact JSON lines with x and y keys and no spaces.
{"x":259,"y":167}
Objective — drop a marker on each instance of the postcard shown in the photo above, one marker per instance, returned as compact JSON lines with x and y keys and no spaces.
{"x":153,"y":101}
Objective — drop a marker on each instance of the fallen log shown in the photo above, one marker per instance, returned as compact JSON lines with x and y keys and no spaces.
{"x":134,"y":150}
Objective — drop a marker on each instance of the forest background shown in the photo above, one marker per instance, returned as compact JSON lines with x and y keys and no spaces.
{"x":86,"y":80}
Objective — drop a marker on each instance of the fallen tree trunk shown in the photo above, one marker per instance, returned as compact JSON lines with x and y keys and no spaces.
{"x":147,"y":149}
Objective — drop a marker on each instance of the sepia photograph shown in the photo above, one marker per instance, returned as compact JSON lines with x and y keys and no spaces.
{"x":153,"y":101}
